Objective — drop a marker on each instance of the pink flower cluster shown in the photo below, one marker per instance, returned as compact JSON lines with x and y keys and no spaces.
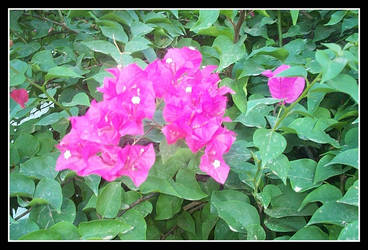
{"x":194,"y":107}
{"x":92,"y":146}
{"x":194,"y":111}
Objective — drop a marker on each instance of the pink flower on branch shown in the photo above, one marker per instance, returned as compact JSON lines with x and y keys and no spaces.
{"x":286,"y":88}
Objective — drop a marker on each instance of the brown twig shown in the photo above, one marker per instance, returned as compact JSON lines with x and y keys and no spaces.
{"x":23,"y":214}
{"x":140,"y":200}
{"x":238,"y":25}
{"x":63,"y":24}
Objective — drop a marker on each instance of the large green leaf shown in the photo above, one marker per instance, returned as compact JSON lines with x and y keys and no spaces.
{"x":285,"y":224}
{"x":105,"y":229}
{"x":22,"y":227}
{"x":21,"y":185}
{"x":61,"y":72}
{"x":50,"y":191}
{"x":335,"y":213}
{"x":134,"y":218}
{"x":228,"y":51}
{"x":39,"y":167}
{"x":66,"y":229}
{"x":187,"y":186}
{"x":27,"y":145}
{"x":301,"y":174}
{"x":109,"y":200}
{"x":167,"y":206}
{"x":330,"y":68}
{"x":347,"y":157}
{"x":279,"y":166}
{"x":346,"y":84}
{"x":205,"y":20}
{"x":309,"y":233}
{"x":350,"y":231}
{"x":270,"y":143}
{"x":351,"y":197}
{"x":113,"y":30}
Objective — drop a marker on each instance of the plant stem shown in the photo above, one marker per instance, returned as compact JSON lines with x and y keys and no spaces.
{"x":279,"y":27}
{"x":140,"y":200}
{"x":288,"y":109}
{"x":238,"y":25}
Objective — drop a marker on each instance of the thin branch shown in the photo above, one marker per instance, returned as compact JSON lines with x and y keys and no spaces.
{"x":238,"y":25}
{"x":54,"y":22}
{"x":140,"y":200}
{"x":23,"y":214}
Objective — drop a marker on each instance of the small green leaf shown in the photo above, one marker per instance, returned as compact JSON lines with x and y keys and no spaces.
{"x":346,"y":84}
{"x":351,"y":197}
{"x":113,"y":30}
{"x":42,"y":234}
{"x":336,"y":17}
{"x":187,"y":186}
{"x":17,"y":70}
{"x":293,"y":71}
{"x":330,"y":68}
{"x":39,"y":167}
{"x":80,"y":98}
{"x":22,"y":227}
{"x":279,"y":53}
{"x":285,"y":224}
{"x":27,"y":145}
{"x":279,"y":166}
{"x":136,"y":220}
{"x":61,"y":72}
{"x":294,"y":16}
{"x":66,"y":230}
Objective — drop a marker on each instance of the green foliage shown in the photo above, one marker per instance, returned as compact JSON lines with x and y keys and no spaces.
{"x":294,"y":167}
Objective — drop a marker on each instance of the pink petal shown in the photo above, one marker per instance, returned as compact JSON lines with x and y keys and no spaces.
{"x":20,"y":96}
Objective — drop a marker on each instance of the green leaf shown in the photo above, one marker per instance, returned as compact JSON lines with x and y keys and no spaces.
{"x":137,"y":44}
{"x":293,"y":71}
{"x":335,"y":213}
{"x":26,"y":49}
{"x":50,"y":191}
{"x":109,"y":200}
{"x":205,"y":20}
{"x":229,"y":52}
{"x":80,"y":98}
{"x":46,"y":216}
{"x":346,"y":84}
{"x":301,"y":174}
{"x":113,"y":30}
{"x":324,"y":172}
{"x":238,"y":153}
{"x":312,"y":129}
{"x":39,"y":167}
{"x":27,"y":145}
{"x":22,"y":227}
{"x":51,"y":118}
{"x":279,"y":53}
{"x":323,"y":194}
{"x":294,"y":16}
{"x":136,"y":220}
{"x":187,"y":186}
{"x":105,"y":229}
{"x":351,"y":197}
{"x":238,"y":214}
{"x":44,"y":60}
{"x":240,"y":96}
{"x":167,"y":206}
{"x":336,"y":17}
{"x":21,"y":185}
{"x":42,"y":234}
{"x":61,"y":72}
{"x":255,"y":232}
{"x":108,"y":48}
{"x":330,"y":68}
{"x":17,"y":70}
{"x":347,"y":157}
{"x":93,"y":181}
{"x":285,"y":224}
{"x":140,"y":29}
{"x":287,"y":204}
{"x":270,"y":143}
{"x":66,"y":230}
{"x":279,"y":166}
{"x":185,"y":221}
{"x":268,"y":193}
{"x":350,"y":231}
{"x":310,"y":233}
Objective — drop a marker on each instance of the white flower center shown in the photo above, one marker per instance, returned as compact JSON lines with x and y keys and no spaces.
{"x":136,"y":100}
{"x":192,"y":48}
{"x":67,"y":154}
{"x":169,"y":60}
{"x":216,"y":163}
{"x":188,"y":89}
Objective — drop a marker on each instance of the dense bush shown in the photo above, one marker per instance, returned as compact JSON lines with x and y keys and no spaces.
{"x":293,"y":162}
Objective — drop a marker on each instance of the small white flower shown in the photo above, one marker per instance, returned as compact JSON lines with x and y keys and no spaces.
{"x":67,"y":154}
{"x":216,"y":163}
{"x":136,"y":100}
{"x":169,"y":60}
{"x":188,"y":89}
{"x":192,"y":48}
